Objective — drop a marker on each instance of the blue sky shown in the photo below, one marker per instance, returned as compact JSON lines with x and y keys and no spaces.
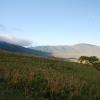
{"x":52,"y":22}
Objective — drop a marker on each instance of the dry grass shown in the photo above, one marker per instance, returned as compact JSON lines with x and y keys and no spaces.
{"x":34,"y":78}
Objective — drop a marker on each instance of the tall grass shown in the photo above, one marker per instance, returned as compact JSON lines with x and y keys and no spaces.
{"x":36,"y":78}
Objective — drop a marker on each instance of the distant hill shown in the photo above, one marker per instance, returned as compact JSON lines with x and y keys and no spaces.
{"x":22,"y":50}
{"x":67,"y":52}
{"x":73,"y":51}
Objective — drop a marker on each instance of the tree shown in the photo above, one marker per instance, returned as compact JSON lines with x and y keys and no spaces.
{"x":88,"y":60}
{"x":93,"y":59}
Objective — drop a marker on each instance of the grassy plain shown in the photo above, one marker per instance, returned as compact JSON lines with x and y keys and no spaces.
{"x":36,"y":78}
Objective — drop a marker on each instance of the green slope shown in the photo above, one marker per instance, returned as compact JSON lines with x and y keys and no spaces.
{"x":22,"y":50}
{"x":37,"y":78}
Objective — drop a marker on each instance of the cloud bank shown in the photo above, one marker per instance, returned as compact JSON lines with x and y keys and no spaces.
{"x":14,"y":40}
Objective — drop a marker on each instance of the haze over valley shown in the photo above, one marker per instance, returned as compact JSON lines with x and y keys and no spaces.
{"x":65,"y":51}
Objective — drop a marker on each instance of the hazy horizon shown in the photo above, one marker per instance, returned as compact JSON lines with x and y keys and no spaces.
{"x":52,"y":22}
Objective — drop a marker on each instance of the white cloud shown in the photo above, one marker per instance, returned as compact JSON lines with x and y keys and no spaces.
{"x":14,"y":40}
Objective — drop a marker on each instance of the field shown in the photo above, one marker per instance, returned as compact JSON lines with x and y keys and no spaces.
{"x":37,"y":78}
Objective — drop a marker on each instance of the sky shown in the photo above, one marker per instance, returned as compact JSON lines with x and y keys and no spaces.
{"x":50,"y":22}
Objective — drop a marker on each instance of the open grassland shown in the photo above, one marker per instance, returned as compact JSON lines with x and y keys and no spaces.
{"x":36,"y":78}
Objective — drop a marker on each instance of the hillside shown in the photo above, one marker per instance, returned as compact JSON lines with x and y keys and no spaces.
{"x":69,"y":52}
{"x":37,"y":78}
{"x":74,"y":51}
{"x":21,"y":50}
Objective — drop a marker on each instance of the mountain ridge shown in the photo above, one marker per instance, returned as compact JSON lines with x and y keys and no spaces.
{"x":61,"y":51}
{"x":22,"y":50}
{"x":72,"y":51}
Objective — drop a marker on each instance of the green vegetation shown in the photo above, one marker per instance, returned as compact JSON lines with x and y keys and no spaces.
{"x":37,"y":78}
{"x":90,"y":60}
